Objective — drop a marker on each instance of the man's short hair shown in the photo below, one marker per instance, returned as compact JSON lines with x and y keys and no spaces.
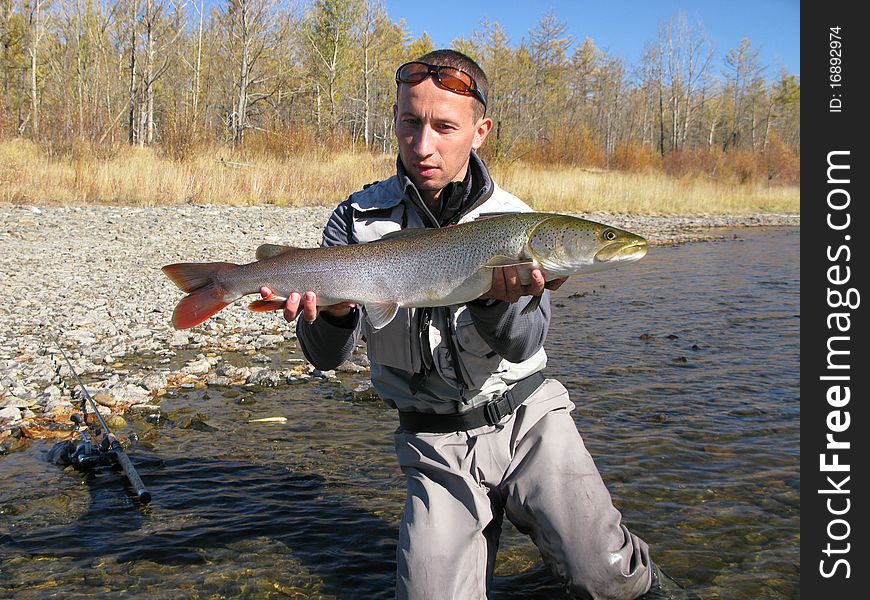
{"x":458,"y":60}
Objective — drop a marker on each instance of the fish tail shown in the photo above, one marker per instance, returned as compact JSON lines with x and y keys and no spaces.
{"x":205,"y":295}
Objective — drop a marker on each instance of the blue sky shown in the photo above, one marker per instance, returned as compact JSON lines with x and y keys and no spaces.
{"x":620,"y":27}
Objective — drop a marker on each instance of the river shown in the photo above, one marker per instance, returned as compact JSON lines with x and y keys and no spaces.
{"x":685,"y":371}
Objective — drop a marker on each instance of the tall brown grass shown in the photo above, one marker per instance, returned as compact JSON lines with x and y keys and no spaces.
{"x":267,"y":172}
{"x":578,"y":189}
{"x":141,"y":176}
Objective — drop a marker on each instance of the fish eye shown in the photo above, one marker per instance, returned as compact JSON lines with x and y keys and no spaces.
{"x":609,"y":235}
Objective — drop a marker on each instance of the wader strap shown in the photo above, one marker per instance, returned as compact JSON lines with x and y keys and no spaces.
{"x":487,"y":414}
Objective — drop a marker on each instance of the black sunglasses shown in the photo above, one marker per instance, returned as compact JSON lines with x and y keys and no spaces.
{"x":451,"y":78}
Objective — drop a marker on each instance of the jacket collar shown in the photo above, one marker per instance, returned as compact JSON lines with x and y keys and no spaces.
{"x":480,"y":188}
{"x":401,"y":189}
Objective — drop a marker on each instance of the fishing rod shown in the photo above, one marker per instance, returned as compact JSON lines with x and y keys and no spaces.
{"x":92,"y":453}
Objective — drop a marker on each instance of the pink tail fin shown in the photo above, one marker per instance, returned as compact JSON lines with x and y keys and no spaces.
{"x":205,"y":296}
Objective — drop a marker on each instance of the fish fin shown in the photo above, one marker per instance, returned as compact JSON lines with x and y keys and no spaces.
{"x":263,"y":305}
{"x":532,"y":306}
{"x":380,"y":314}
{"x":272,"y":250}
{"x":205,"y":296}
{"x":192,"y":276}
{"x":500,"y":260}
{"x":198,"y":306}
{"x":400,"y":234}
{"x":489,"y":215}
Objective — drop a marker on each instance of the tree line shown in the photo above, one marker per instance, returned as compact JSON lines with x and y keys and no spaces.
{"x":289,"y":77}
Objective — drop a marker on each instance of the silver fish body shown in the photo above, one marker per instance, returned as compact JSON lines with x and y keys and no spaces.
{"x":413,"y":268}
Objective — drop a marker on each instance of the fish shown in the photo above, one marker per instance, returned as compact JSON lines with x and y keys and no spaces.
{"x":409,"y":268}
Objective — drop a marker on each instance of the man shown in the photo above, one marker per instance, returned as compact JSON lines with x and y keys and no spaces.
{"x":482,"y":433}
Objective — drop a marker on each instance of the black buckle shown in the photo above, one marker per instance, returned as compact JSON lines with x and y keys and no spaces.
{"x":492,"y":412}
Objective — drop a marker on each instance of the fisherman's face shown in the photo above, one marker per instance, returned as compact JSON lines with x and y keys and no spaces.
{"x":437,"y":131}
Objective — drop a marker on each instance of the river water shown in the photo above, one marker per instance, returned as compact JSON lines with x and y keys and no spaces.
{"x":684,"y":368}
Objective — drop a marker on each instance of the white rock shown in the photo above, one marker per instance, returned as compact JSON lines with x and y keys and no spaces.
{"x":269,"y":340}
{"x":15,"y":402}
{"x":133,"y":394}
{"x":197,"y":367}
{"x":179,"y":338}
{"x":10,"y":414}
{"x":154,"y":382}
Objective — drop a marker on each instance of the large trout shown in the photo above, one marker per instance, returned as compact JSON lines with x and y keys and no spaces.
{"x":409,"y":268}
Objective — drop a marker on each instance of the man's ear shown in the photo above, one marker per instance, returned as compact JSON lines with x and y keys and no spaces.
{"x":481,"y":130}
{"x":395,"y":112}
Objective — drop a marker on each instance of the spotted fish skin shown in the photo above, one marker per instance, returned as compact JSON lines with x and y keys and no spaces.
{"x":415,"y":268}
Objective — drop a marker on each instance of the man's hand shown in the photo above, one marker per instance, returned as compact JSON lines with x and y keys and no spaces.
{"x":506,"y":284}
{"x":306,"y":304}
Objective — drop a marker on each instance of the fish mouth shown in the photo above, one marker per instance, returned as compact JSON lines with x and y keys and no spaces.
{"x":623,"y":252}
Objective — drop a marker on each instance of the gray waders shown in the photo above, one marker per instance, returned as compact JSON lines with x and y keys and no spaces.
{"x":532,"y":467}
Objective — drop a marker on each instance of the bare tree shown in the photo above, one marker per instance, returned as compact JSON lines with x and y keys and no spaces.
{"x":370,"y":32}
{"x":197,"y":65}
{"x":161,"y":27}
{"x":15,"y":63}
{"x":549,"y":43}
{"x":36,"y":17}
{"x":743,"y":74}
{"x":252,"y":30}
{"x":329,"y":34}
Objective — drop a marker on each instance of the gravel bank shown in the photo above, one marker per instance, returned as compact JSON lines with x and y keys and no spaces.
{"x":94,"y":273}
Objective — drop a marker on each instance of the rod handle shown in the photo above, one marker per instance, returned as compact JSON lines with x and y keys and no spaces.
{"x":132,"y":476}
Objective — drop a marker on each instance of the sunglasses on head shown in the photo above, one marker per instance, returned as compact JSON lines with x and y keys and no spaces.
{"x":453,"y":79}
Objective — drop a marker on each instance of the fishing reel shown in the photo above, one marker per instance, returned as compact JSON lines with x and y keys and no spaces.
{"x":87,"y":453}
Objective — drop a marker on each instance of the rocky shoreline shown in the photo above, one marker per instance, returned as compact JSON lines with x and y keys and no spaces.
{"x":91,"y":275}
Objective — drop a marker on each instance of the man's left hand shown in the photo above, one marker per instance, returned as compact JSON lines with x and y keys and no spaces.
{"x":506,"y":285}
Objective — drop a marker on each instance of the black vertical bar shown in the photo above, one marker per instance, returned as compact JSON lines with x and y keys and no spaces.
{"x":834,"y":421}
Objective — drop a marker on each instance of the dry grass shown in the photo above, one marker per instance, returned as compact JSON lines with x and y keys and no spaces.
{"x":135,"y":176}
{"x":568,"y":189}
{"x":141,"y":177}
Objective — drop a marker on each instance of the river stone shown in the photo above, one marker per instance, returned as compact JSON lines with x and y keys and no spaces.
{"x":233,"y":372}
{"x":24,"y":393}
{"x":132,"y":394}
{"x":115,"y":422}
{"x":40,"y":374}
{"x":269,"y":340}
{"x":351,"y":367}
{"x":55,"y":407}
{"x":105,"y":398}
{"x":10,"y":414}
{"x":197,"y":367}
{"x":266,"y":377}
{"x":179,"y":338}
{"x":52,"y":391}
{"x":196,"y":422}
{"x":154,"y":382}
{"x":12,"y":401}
{"x":364,"y":392}
{"x":218,"y":380}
